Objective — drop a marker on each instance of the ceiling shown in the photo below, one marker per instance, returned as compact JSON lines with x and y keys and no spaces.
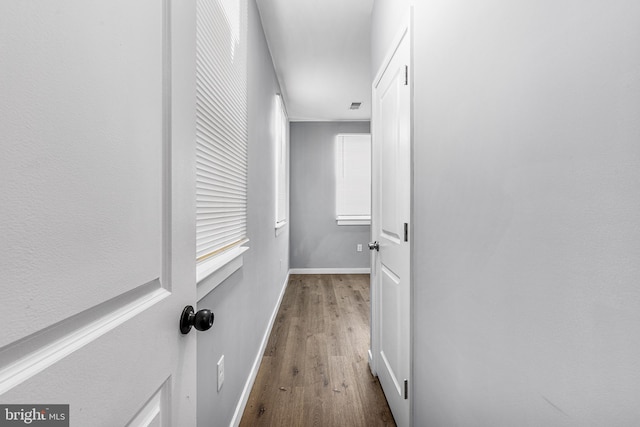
{"x":321,"y":53}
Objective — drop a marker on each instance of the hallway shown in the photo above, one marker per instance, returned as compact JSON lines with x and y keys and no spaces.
{"x":315,"y":371}
{"x":169,"y":163}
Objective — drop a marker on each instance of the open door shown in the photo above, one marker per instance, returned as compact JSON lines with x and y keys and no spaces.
{"x":97,"y":197}
{"x":391,"y":211}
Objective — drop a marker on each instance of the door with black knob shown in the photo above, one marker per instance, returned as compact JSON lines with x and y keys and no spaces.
{"x":97,"y":248}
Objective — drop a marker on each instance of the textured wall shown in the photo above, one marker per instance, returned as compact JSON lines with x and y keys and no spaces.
{"x":527,"y":201}
{"x":316,"y":240}
{"x":244,"y":303}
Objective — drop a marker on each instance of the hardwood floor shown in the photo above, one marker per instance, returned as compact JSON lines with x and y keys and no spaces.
{"x":315,"y":371}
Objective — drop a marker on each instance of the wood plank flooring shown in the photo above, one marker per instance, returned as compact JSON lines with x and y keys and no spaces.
{"x":315,"y":370}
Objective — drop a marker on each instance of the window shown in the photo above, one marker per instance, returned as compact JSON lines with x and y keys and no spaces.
{"x":353,"y":179}
{"x":282,"y":163}
{"x":221,"y":133}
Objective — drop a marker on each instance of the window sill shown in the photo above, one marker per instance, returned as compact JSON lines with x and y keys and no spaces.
{"x":212,"y":272}
{"x":353,"y":219}
{"x":280,"y":227}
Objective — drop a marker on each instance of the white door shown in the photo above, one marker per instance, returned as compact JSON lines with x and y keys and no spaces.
{"x":390,"y":280}
{"x":97,"y":248}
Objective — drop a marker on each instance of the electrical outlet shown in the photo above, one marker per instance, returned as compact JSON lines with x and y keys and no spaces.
{"x":220,"y":372}
{"x":359,"y":248}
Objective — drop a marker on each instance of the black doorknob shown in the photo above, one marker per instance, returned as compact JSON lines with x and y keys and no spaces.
{"x":201,"y":320}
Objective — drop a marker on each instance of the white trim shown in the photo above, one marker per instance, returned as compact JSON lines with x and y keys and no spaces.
{"x":353,"y":219}
{"x":154,"y":409}
{"x":244,"y":397}
{"x":404,"y":31}
{"x":46,"y":348}
{"x":217,"y":269}
{"x":281,"y":162}
{"x":354,"y":134}
{"x":371,"y":367}
{"x":280,"y":226}
{"x":330,"y":271}
{"x":328,"y":120}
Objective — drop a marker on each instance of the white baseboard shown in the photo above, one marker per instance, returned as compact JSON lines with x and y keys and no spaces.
{"x":244,"y":397}
{"x":330,"y":271}
{"x":371,"y":368}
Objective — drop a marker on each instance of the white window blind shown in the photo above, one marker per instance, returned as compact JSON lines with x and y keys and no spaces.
{"x":353,"y":179}
{"x":221,"y":126}
{"x":282,"y":163}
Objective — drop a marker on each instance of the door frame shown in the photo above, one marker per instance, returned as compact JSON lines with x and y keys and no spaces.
{"x":405,"y":30}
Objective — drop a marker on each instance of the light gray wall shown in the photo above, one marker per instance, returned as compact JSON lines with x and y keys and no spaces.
{"x":244,"y":303}
{"x":316,"y":240}
{"x":527,"y":210}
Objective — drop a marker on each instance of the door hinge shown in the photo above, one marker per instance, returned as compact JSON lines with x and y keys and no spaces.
{"x":406,"y":75}
{"x":406,"y":389}
{"x":406,"y":232}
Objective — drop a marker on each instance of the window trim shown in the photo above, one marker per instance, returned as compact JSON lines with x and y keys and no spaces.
{"x":353,"y":219}
{"x":211,"y":272}
{"x":281,"y":133}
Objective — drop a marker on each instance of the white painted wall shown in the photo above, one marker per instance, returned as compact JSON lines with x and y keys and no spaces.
{"x":245,"y":302}
{"x":526,"y":204}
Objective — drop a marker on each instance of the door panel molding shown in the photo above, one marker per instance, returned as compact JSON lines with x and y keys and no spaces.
{"x":38,"y":289}
{"x":36,"y":352}
{"x":389,"y":338}
{"x":30,"y":355}
{"x":388,"y":365}
{"x":155,"y":411}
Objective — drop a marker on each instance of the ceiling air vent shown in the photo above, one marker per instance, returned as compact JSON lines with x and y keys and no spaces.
{"x":355,"y":105}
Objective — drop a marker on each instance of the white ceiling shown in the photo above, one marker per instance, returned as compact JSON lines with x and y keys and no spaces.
{"x":321,"y":52}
